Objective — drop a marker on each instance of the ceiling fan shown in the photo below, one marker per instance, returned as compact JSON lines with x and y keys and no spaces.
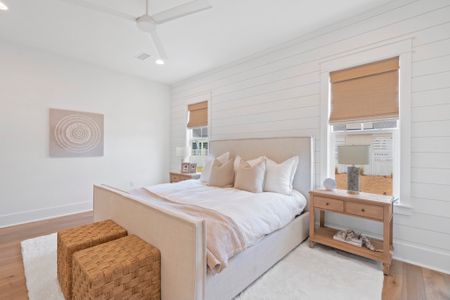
{"x":148,"y":23}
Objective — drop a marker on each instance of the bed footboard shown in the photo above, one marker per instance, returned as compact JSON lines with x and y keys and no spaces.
{"x":180,"y":238}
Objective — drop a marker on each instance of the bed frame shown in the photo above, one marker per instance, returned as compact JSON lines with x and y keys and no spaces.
{"x":182,"y":238}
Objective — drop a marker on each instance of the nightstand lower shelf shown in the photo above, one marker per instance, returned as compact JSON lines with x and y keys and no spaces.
{"x":363,"y":205}
{"x":324,"y":236}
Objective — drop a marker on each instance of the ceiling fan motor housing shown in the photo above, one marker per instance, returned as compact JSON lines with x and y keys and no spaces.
{"x":146,"y":23}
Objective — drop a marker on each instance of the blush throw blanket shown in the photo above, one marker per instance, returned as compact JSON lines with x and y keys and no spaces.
{"x":223,"y":237}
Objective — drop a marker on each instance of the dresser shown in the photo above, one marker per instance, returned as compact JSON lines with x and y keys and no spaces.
{"x":363,"y":205}
{"x":178,"y":176}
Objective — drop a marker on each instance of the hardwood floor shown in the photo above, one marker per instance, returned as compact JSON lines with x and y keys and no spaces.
{"x":406,"y":282}
{"x":12,"y":278}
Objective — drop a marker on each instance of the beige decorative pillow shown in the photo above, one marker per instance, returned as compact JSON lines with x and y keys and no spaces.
{"x":250,"y":177}
{"x":251,"y":162}
{"x":222,"y":174}
{"x":204,"y":177}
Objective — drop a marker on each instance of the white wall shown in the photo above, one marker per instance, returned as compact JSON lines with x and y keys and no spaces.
{"x":277,"y":93}
{"x":34,"y":185}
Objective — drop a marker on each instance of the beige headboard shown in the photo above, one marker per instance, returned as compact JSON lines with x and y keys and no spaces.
{"x":277,"y":149}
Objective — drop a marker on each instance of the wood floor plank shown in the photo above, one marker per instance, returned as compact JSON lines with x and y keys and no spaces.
{"x":437,"y":285}
{"x":406,"y":281}
{"x":414,"y":283}
{"x":393,"y":283}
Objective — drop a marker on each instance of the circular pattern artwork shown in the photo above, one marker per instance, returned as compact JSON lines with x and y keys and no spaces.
{"x":77,"y":133}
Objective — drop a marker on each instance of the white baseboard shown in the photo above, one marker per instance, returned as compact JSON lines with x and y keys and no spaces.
{"x":438,"y":260}
{"x":43,"y":213}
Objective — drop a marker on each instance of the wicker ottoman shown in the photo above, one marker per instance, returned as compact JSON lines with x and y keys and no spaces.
{"x":79,"y":238}
{"x":127,"y":268}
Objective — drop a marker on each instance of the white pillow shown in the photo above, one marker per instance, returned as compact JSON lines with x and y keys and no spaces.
{"x":206,"y":174}
{"x":250,"y":178}
{"x":280,"y":177}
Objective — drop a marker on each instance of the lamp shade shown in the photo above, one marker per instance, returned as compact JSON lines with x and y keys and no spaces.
{"x":353,"y":154}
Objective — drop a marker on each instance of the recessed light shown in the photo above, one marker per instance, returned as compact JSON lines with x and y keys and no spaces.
{"x":159,"y":62}
{"x":3,"y":6}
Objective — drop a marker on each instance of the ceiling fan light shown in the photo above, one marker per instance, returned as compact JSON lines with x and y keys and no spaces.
{"x":3,"y":6}
{"x":159,"y":61}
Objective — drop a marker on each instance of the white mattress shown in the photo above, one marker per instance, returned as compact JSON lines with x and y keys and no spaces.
{"x":256,"y":214}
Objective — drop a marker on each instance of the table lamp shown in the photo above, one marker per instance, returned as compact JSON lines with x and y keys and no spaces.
{"x":353,"y":155}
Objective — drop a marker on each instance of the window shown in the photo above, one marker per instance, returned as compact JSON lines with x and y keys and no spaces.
{"x":199,"y":146}
{"x":382,"y":136}
{"x":197,"y":131}
{"x":364,"y":105}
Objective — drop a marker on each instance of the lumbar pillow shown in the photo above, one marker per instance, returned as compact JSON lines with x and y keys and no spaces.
{"x":250,"y":177}
{"x":222,"y":175}
{"x":204,"y":177}
{"x":279,"y":177}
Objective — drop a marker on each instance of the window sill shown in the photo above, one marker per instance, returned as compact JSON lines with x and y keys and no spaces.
{"x":402,"y":209}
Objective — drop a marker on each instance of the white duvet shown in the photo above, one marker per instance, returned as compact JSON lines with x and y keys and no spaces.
{"x":256,"y":214}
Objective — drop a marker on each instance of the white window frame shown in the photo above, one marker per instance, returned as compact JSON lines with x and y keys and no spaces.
{"x":402,"y":49}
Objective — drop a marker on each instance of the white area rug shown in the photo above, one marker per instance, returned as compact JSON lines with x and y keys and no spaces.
{"x":306,"y":273}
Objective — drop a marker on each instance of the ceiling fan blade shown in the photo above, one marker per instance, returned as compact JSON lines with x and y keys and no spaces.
{"x":101,"y":9}
{"x":181,"y":11}
{"x":158,"y":45}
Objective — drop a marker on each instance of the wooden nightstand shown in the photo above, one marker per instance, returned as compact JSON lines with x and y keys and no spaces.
{"x":177,"y":176}
{"x":363,"y":205}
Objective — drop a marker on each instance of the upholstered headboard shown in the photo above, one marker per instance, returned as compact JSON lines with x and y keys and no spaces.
{"x":277,"y":149}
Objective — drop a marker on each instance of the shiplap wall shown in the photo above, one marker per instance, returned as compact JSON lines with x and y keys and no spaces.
{"x":277,"y":93}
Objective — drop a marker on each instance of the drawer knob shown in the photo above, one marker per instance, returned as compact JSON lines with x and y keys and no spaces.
{"x":327,"y":203}
{"x":363,"y":210}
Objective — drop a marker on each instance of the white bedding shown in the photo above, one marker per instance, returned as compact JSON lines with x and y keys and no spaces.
{"x":256,"y":214}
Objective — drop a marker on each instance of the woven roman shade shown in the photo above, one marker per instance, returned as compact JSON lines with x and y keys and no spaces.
{"x":198,"y":114}
{"x":364,"y":93}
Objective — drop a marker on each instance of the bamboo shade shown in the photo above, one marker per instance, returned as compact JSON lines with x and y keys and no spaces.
{"x":367,"y":92}
{"x":198,"y":114}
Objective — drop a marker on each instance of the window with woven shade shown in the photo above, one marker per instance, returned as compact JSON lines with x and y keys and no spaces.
{"x":364,"y":107}
{"x":198,"y":114}
{"x":365,"y":93}
{"x":197,"y":130}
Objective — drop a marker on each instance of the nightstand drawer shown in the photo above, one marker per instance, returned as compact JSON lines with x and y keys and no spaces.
{"x":328,"y":204}
{"x":363,"y":210}
{"x":177,"y":178}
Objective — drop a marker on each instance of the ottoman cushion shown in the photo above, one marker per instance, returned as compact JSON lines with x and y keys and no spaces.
{"x":127,"y":268}
{"x":75,"y":239}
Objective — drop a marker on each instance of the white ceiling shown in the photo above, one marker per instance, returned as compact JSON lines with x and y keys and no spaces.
{"x":231,"y":30}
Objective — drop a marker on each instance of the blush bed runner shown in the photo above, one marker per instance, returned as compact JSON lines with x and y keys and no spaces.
{"x":235,"y":219}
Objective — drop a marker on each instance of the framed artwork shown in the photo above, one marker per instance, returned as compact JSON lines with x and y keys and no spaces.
{"x":75,"y":134}
{"x":185,"y":167}
{"x":192,"y":168}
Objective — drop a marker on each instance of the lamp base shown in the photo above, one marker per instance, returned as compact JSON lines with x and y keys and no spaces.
{"x":353,"y":180}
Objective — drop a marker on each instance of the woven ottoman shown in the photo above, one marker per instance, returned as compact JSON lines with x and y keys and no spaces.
{"x":127,"y":268}
{"x":79,"y":238}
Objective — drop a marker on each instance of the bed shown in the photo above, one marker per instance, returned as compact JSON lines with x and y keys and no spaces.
{"x":181,"y":238}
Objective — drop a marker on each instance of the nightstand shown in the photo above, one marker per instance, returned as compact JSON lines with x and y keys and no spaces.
{"x":363,"y":205}
{"x":178,"y":176}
